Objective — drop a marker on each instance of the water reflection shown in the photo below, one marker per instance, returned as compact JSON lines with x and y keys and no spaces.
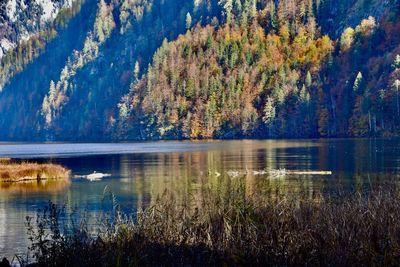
{"x":184,"y":167}
{"x":34,"y":187}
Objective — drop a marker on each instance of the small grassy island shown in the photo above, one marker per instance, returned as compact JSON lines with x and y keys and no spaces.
{"x":12,"y":171}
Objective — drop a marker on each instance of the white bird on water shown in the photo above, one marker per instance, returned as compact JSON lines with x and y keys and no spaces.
{"x":95,"y":176}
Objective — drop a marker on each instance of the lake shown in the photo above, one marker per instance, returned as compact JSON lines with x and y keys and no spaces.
{"x":142,"y":171}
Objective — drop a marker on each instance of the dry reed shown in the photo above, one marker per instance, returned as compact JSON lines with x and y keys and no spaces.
{"x":11,"y":171}
{"x":232,"y":228}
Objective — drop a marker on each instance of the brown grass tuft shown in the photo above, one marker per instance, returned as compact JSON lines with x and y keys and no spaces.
{"x":11,"y":172}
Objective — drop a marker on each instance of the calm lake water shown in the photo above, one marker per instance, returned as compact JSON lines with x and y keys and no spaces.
{"x":142,"y":171}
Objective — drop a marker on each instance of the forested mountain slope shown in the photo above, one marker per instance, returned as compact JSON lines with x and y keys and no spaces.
{"x":20,"y":19}
{"x":96,"y":77}
{"x":83,"y":92}
{"x":26,"y":27}
{"x":231,"y":82}
{"x":274,"y":75}
{"x":117,"y":69}
{"x":22,"y":96}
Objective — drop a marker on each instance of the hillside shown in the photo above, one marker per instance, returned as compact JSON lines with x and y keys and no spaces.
{"x":26,"y":27}
{"x":272,"y":76}
{"x":21,"y":19}
{"x":229,"y":83}
{"x":119,"y":69}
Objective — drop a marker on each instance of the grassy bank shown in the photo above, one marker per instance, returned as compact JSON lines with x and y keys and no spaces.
{"x":228,"y":227}
{"x":12,"y":171}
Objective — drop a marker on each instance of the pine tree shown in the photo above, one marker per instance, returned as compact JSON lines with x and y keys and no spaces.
{"x":396,"y":63}
{"x":272,"y":15}
{"x":308,"y":79}
{"x":136,"y":71}
{"x":238,"y":6}
{"x":52,"y":92}
{"x":188,"y":21}
{"x":396,"y":85}
{"x":228,"y":7}
{"x":123,"y":111}
{"x":304,"y":95}
{"x":347,"y":39}
{"x":269,"y":111}
{"x":357,"y":82}
{"x":253,"y":8}
{"x":197,"y":4}
{"x":46,"y":111}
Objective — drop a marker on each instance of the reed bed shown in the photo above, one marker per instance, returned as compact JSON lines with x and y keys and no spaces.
{"x":11,"y":171}
{"x":230,"y":227}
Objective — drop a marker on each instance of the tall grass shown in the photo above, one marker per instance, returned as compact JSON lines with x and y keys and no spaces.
{"x":11,"y":171}
{"x":230,"y":227}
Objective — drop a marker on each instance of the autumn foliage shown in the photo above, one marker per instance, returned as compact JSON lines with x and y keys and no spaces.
{"x":231,"y":81}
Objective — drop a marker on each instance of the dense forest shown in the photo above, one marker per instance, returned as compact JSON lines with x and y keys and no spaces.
{"x":25,"y":31}
{"x":150,"y":69}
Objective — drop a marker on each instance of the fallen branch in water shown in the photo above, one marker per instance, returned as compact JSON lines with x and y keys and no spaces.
{"x":277,"y":172}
